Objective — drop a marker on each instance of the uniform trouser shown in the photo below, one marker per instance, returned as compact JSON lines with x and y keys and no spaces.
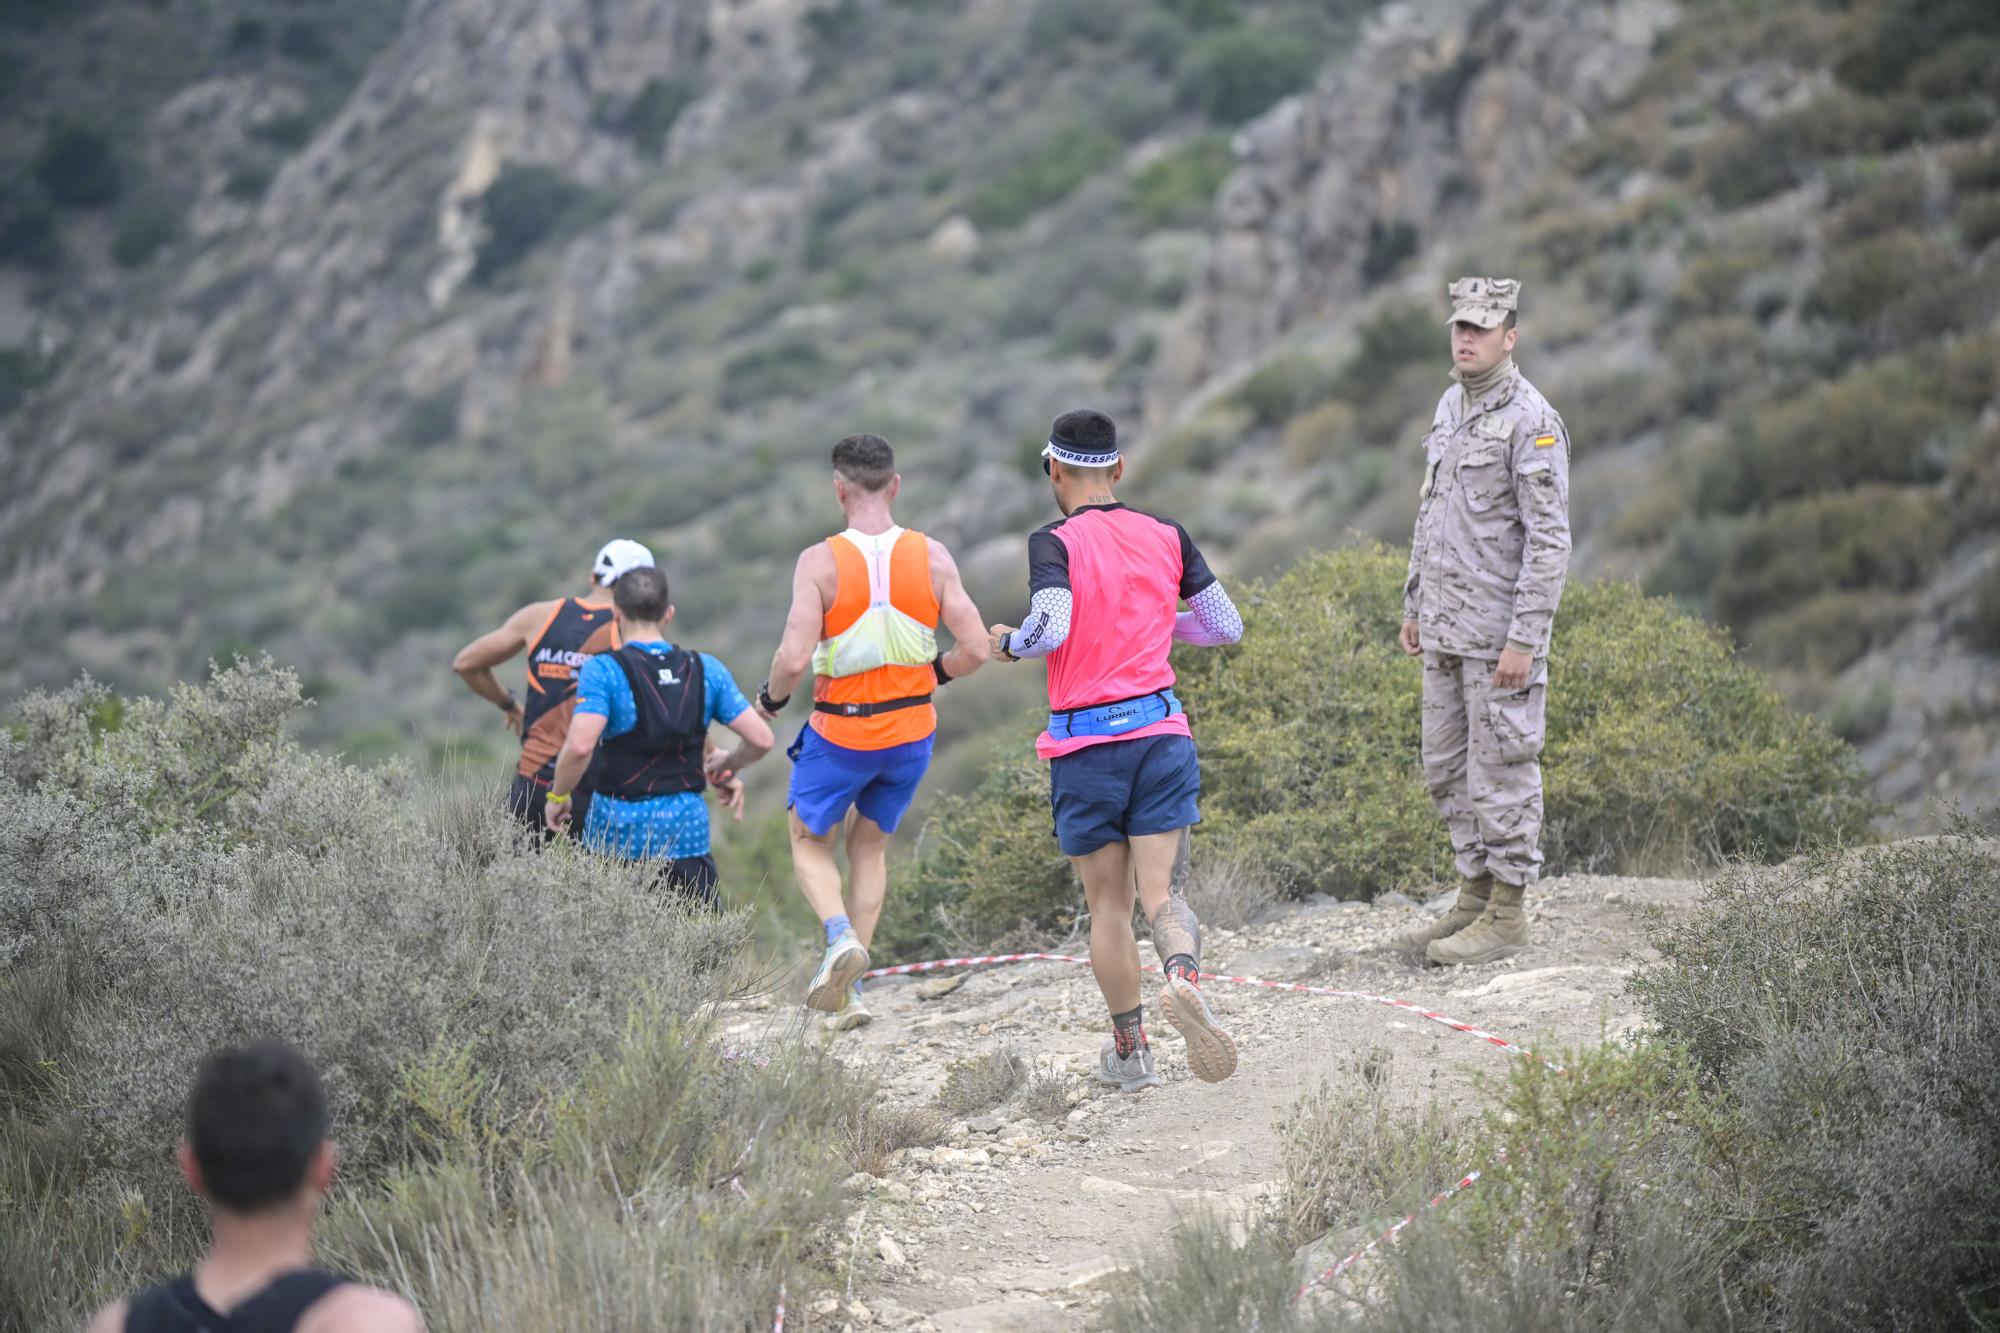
{"x":1482,"y":762}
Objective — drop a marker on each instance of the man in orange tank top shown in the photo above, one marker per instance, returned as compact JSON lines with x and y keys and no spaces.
{"x":866,"y":605}
{"x":558,"y":635}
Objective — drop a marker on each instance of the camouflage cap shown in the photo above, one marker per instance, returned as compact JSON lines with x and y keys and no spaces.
{"x":1484,"y":301}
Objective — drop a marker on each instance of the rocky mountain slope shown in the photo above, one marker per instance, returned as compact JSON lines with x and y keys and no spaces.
{"x":547,"y":270}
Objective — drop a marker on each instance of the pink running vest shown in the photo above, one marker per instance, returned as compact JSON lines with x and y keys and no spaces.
{"x":1128,"y":573}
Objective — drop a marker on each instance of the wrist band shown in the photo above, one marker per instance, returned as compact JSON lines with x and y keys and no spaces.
{"x":937,"y":668}
{"x":554,"y":799}
{"x":771,"y":705}
{"x":511,"y":704}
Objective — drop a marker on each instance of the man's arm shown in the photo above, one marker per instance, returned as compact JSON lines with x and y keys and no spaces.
{"x":793,"y":659}
{"x":970,"y":649}
{"x":572,"y":762}
{"x":1211,"y":619}
{"x":111,"y":1319}
{"x":475,"y":662}
{"x":352,"y":1308}
{"x":1541,"y":489}
{"x":725,"y":703}
{"x":1050,"y":603}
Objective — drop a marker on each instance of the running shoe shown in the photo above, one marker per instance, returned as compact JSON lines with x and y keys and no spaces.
{"x":1127,"y":1073}
{"x":846,"y":959}
{"x":1211,"y":1051}
{"x":853,"y":1014}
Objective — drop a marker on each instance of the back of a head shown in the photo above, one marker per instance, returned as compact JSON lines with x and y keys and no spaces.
{"x":1085,"y":442}
{"x":641,"y":594}
{"x":865,"y":461}
{"x":257,"y":1116}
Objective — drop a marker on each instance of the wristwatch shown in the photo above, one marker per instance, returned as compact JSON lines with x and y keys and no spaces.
{"x":1005,"y":651}
{"x":512,"y":703}
{"x":767,"y":703}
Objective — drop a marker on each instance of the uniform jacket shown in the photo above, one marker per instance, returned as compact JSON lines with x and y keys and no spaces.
{"x":1492,"y":541}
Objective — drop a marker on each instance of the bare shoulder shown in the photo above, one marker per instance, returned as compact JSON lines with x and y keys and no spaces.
{"x":530,"y":617}
{"x":111,"y":1319}
{"x":816,"y":567}
{"x":353,"y":1308}
{"x":942,"y":563}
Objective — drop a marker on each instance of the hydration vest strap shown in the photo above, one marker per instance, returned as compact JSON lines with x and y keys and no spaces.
{"x":871,"y":710}
{"x":1117,"y":717}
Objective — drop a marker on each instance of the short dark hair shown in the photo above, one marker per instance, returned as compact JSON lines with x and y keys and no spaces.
{"x":641,"y":594}
{"x":1510,"y":321}
{"x":865,"y":460}
{"x":1087,"y":430}
{"x":256,"y":1116}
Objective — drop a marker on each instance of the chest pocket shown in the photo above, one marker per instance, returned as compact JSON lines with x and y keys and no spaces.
{"x":1482,"y":475}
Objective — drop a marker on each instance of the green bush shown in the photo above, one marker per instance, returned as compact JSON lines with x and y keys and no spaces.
{"x":1893,"y":289}
{"x":650,"y":116}
{"x":1280,"y":389}
{"x":1756,"y":162}
{"x":1661,"y":746}
{"x":1236,"y":73}
{"x":1984,"y":625}
{"x":30,"y":236}
{"x":1070,"y":157}
{"x":1869,"y":538}
{"x":1055,"y":25}
{"x":1875,"y":425}
{"x":532,"y":1113}
{"x":78,"y":166}
{"x":1978,"y":219}
{"x":789,"y":368}
{"x":1178,"y":189}
{"x":145,"y":227}
{"x":526,"y":206}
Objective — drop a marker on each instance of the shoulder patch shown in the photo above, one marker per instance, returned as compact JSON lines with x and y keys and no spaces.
{"x":1545,"y":441}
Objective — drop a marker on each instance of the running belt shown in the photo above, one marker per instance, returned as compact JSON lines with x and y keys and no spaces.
{"x":870,"y":710}
{"x":1115,"y":718}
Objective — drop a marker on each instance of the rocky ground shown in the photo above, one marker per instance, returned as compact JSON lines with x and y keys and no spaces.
{"x":1018,"y":1218}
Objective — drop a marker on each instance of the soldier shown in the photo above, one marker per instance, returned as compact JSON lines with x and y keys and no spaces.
{"x":1486,"y":571}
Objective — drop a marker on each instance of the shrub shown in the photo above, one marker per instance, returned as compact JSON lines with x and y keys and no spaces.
{"x":1984,"y":625}
{"x":1893,"y":289}
{"x":1875,"y":425}
{"x":1282,"y":388}
{"x":650,"y":116}
{"x":1661,"y":746}
{"x":1065,"y":161}
{"x":510,"y":1038}
{"x":1349,"y":1156}
{"x":1054,"y":25}
{"x":788,"y":368}
{"x":78,"y":166}
{"x":1756,"y":162}
{"x":149,"y":225}
{"x":1869,"y":538}
{"x":29,"y":235}
{"x":1178,"y":189}
{"x":1978,"y":219}
{"x":526,"y":206}
{"x":1158,"y":39}
{"x":981,"y":1082}
{"x":1322,"y":432}
{"x":1236,"y":73}
{"x":1858,"y":718}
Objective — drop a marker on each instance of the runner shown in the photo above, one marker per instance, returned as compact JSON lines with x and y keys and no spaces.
{"x":1105,"y":584}
{"x":559,"y":635}
{"x":650,"y":705}
{"x":871,"y":599}
{"x":257,"y":1152}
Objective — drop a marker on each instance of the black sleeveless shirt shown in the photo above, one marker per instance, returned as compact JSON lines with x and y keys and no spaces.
{"x":174,"y":1307}
{"x":662,"y":752}
{"x":572,"y":634}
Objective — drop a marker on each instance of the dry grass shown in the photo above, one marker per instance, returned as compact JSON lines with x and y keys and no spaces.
{"x":982,"y":1082}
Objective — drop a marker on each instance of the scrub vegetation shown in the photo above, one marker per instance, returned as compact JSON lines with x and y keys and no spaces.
{"x":1665,"y":751}
{"x":1805,"y":1137}
{"x":534,"y":1113}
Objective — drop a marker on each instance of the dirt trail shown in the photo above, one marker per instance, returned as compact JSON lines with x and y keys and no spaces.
{"x":1015,"y":1220}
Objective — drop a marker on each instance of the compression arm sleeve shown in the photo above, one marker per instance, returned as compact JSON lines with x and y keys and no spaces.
{"x":1047,"y":624}
{"x":1211,"y":620}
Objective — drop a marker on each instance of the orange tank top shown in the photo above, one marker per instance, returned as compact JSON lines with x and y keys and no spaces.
{"x":858,"y":576}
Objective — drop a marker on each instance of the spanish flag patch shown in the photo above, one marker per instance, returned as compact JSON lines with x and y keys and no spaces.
{"x":1544,"y":441}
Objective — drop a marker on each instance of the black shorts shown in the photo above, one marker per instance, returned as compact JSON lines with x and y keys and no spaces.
{"x":528,"y":799}
{"x":692,"y":877}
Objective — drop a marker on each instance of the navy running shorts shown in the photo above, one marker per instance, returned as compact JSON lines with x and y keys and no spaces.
{"x":1122,"y":790}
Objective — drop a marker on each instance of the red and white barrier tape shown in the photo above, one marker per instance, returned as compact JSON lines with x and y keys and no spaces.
{"x":778,"y":1324}
{"x":988,"y":960}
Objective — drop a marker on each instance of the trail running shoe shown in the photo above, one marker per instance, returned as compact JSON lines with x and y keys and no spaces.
{"x":1127,"y":1073}
{"x":853,"y":1014}
{"x":1211,"y":1051}
{"x":846,"y":959}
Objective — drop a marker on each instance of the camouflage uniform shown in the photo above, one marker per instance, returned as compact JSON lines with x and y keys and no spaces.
{"x":1486,"y":571}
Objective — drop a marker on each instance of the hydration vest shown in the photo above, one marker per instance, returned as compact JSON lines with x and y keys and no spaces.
{"x":175,"y":1307}
{"x":572,"y":633}
{"x":872,"y":670}
{"x":662,"y":753}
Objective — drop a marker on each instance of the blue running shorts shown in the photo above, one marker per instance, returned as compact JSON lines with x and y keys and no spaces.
{"x":829,"y":779}
{"x":1122,"y":790}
